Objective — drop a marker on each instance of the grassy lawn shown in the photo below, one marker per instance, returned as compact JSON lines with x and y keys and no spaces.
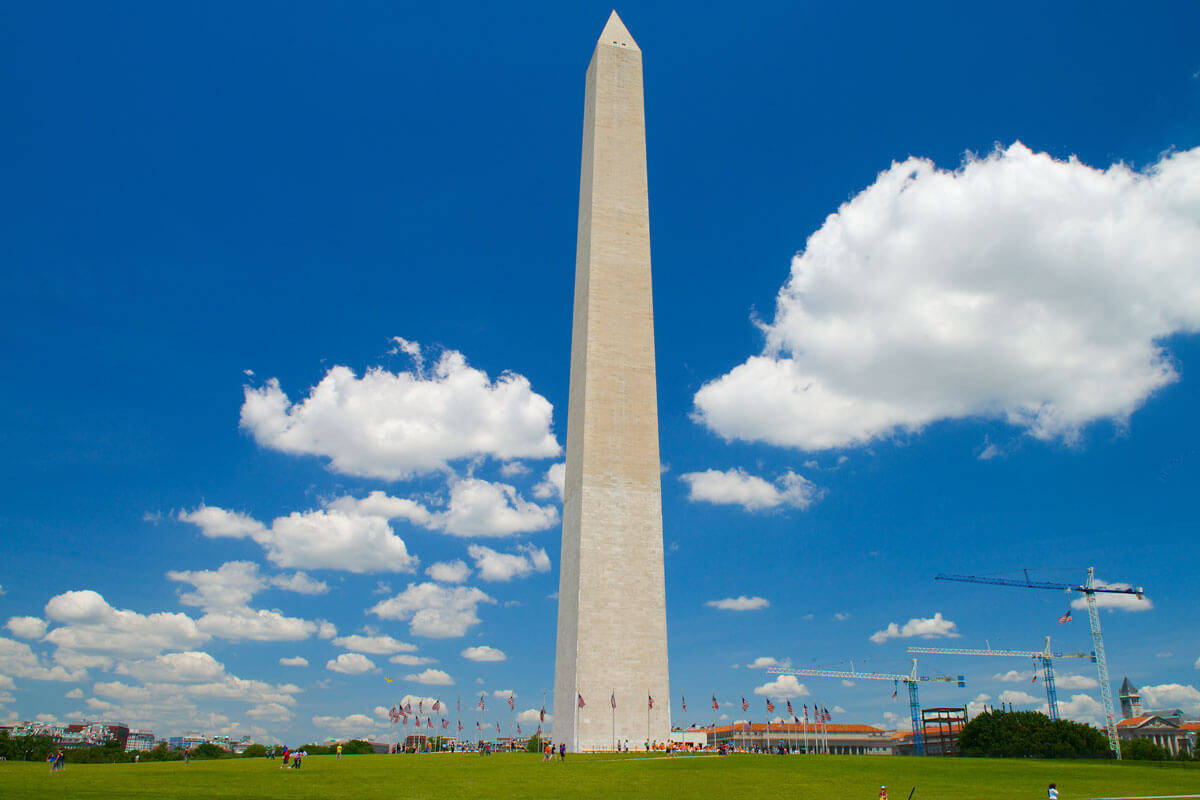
{"x":753,"y":777}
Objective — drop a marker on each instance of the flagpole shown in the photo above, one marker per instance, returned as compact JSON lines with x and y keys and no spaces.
{"x":613,"y":703}
{"x":648,"y":714}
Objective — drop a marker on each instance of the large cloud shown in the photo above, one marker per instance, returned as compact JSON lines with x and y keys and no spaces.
{"x":1019,"y":287}
{"x":1122,"y":602}
{"x":320,"y":539}
{"x":394,"y":425}
{"x":376,"y":645}
{"x":18,"y":659}
{"x":496,"y":566}
{"x":439,"y":612}
{"x":91,"y":625}
{"x":224,"y":594}
{"x":1172,"y":695}
{"x":783,"y":686}
{"x":739,"y":488}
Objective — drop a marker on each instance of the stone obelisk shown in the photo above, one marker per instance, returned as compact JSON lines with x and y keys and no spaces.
{"x":612,"y":624}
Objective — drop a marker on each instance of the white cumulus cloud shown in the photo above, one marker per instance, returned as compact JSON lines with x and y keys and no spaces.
{"x":455,"y":571}
{"x":394,"y":425}
{"x":431,"y":677}
{"x":739,"y":488}
{"x":293,"y":661}
{"x":1018,"y":287}
{"x":552,"y":484}
{"x":783,"y":686}
{"x":433,"y":610}
{"x":27,"y":627}
{"x":350,"y":664}
{"x":739,"y":603}
{"x":495,"y":566}
{"x":483,"y":508}
{"x":90,"y":625}
{"x":762,"y":662}
{"x":483,"y":653}
{"x":1172,"y":695}
{"x":1017,"y":698}
{"x":926,"y":628}
{"x":376,"y":645}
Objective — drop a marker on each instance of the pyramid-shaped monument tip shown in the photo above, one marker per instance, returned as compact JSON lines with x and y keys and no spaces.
{"x":615,"y":34}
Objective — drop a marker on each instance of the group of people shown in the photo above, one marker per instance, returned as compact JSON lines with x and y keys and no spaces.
{"x":292,"y":758}
{"x":548,"y":752}
{"x":58,"y":760}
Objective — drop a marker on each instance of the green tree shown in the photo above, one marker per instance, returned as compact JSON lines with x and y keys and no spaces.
{"x":358,"y":747}
{"x":1029,"y":734}
{"x":535,"y":744}
{"x":209,"y":750}
{"x":255,"y":751}
{"x":1144,"y":750}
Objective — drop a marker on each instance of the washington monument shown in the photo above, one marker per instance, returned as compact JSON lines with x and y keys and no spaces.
{"x":612,"y":623}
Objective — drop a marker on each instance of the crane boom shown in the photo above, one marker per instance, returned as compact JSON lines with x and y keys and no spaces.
{"x":1028,"y":584}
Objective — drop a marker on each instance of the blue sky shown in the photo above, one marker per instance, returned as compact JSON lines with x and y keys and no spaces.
{"x":982,"y":363}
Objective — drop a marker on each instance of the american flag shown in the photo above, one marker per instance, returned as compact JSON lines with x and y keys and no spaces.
{"x":649,"y":701}
{"x":1034,"y":678}
{"x":429,"y":722}
{"x":510,"y":702}
{"x":420,"y":706}
{"x":445,"y":723}
{"x":612,"y":701}
{"x":518,"y":729}
{"x":580,"y":702}
{"x":683,"y":702}
{"x":1065,"y":618}
{"x":477,"y":726}
{"x":790,"y":712}
{"x":408,"y":708}
{"x":806,"y":713}
{"x":745,"y":705}
{"x":437,"y":705}
{"x":497,"y":728}
{"x":460,"y":726}
{"x":716,"y":705}
{"x":481,"y":706}
{"x":394,"y":714}
{"x":542,"y":715}
{"x":770,"y":706}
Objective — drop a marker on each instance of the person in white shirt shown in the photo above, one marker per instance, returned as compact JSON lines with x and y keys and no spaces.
{"x":1052,"y":792}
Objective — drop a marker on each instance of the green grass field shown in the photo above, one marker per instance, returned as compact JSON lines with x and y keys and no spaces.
{"x":753,"y":777}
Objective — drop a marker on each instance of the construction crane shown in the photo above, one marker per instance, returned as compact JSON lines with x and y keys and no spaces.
{"x":910,"y":680}
{"x":1088,"y":590}
{"x":1044,"y":655}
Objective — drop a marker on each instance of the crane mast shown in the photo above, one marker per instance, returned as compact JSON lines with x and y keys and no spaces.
{"x":1089,"y":590}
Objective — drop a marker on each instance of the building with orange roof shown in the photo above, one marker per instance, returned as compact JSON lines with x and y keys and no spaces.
{"x":836,"y":738}
{"x":1159,"y":730}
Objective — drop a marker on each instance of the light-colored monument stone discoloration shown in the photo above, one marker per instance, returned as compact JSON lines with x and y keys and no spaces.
{"x":612,"y":628}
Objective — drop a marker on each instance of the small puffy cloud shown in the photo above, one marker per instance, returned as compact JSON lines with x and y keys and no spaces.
{"x":1071,"y":681}
{"x":1082,"y":708}
{"x":1118,"y":602}
{"x":1017,"y":698}
{"x":841,"y":617}
{"x":482,"y":508}
{"x":1014,"y":676}
{"x":739,"y":488}
{"x":739,"y":603}
{"x":300,"y":583}
{"x":930,"y":628}
{"x":502,"y":694}
{"x":408,"y":660}
{"x":395,"y":425}
{"x":455,"y":571}
{"x":270,"y":712}
{"x":847,"y":683}
{"x":350,"y":664}
{"x":258,"y":625}
{"x":376,"y":645}
{"x":762,"y":662}
{"x":1172,"y":695}
{"x":27,"y":627}
{"x":532,"y":716}
{"x":513,"y":469}
{"x":293,"y":661}
{"x":552,"y":484}
{"x":381,"y":504}
{"x":1017,"y":287}
{"x":74,"y":694}
{"x":483,"y":653}
{"x":354,"y":725}
{"x":320,"y":539}
{"x":218,"y":523}
{"x":90,"y":625}
{"x":433,"y":610}
{"x":326,"y":629}
{"x":187,"y":667}
{"x":783,"y":686}
{"x":496,"y":566}
{"x":431,"y":677}
{"x":1197,"y":664}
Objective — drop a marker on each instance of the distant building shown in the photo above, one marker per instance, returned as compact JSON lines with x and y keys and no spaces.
{"x":91,"y":734}
{"x":139,"y":742}
{"x":187,"y":741}
{"x":1160,"y":731}
{"x":832,"y":738}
